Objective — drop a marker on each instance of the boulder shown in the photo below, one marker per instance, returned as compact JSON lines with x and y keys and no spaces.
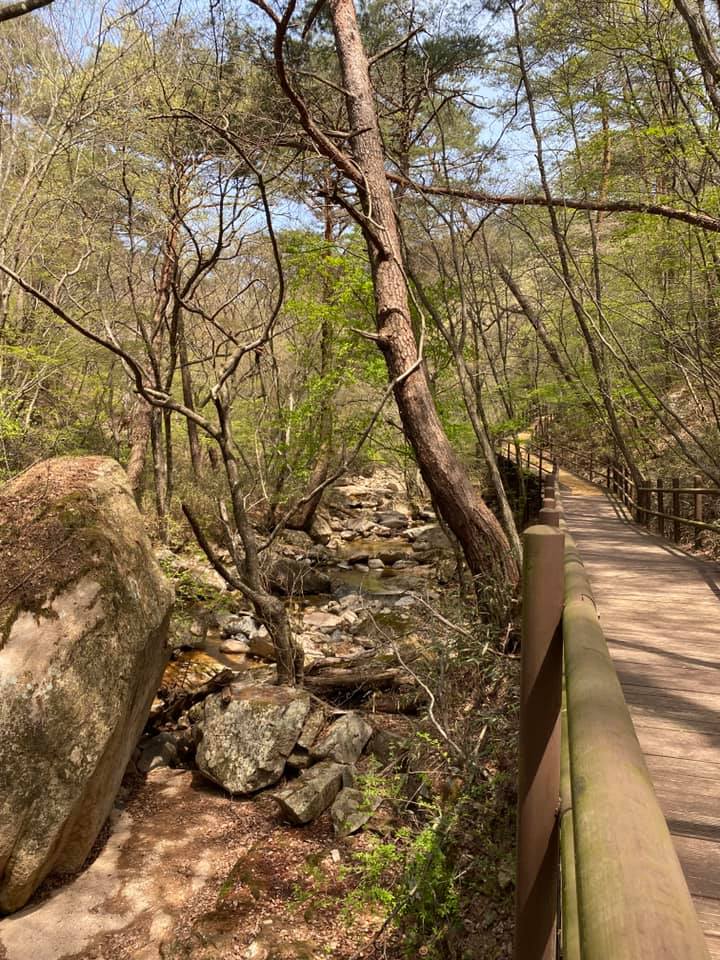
{"x":160,"y":751}
{"x":184,"y":634}
{"x":260,"y":645}
{"x":321,"y":529}
{"x":85,"y":625}
{"x":296,"y":538}
{"x":234,"y":645}
{"x":312,"y":793}
{"x":239,"y":626}
{"x":351,"y":810}
{"x":429,"y":537}
{"x":288,"y":577}
{"x":393,"y":520}
{"x":247,"y":738}
{"x":327,"y":622}
{"x":313,"y":725}
{"x":344,"y":741}
{"x":200,"y":578}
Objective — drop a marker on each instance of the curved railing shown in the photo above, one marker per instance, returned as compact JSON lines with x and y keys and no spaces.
{"x":666,"y":504}
{"x":624,"y":895}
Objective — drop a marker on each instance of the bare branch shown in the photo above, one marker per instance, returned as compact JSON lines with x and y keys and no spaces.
{"x":14,"y":10}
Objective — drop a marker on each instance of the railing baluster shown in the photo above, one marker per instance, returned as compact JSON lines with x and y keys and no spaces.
{"x":661,"y":506}
{"x":676,"y":509}
{"x":698,"y":512}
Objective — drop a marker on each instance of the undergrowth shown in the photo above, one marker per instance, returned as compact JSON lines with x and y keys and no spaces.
{"x":443,"y":877}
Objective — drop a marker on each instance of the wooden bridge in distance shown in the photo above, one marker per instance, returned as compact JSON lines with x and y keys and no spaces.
{"x":659,"y":610}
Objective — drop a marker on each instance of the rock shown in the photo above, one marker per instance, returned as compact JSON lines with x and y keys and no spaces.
{"x":344,"y":741}
{"x":160,"y":751}
{"x":312,"y":793}
{"x":391,"y":555}
{"x":393,"y":519}
{"x":234,"y":646}
{"x":355,"y":496}
{"x":404,"y":564}
{"x":405,"y":601}
{"x":313,"y":725}
{"x":362,"y":525}
{"x":327,"y":622}
{"x":290,"y":577}
{"x":221,"y":619}
{"x":352,"y":601}
{"x":186,"y":635}
{"x":299,"y":759}
{"x":204,"y":579}
{"x":297,"y":538}
{"x":85,"y":629}
{"x":351,"y":810}
{"x":375,"y":563}
{"x":246,"y":741}
{"x":309,"y":644}
{"x":359,"y":556}
{"x":429,"y":537}
{"x":321,"y":529}
{"x":236,"y":626}
{"x":387,"y":746}
{"x":260,"y":645}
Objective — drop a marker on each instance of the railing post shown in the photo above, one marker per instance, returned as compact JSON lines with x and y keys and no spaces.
{"x":676,"y":509}
{"x":539,"y":766}
{"x":641,"y":498}
{"x":661,"y":506}
{"x":607,"y":477}
{"x":540,"y":463}
{"x":549,"y":513}
{"x":698,"y":512}
{"x":627,"y":481}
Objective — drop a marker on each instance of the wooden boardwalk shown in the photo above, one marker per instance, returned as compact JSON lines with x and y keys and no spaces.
{"x":660,"y":610}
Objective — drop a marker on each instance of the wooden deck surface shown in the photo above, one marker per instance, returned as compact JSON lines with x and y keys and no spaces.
{"x":660,"y":610}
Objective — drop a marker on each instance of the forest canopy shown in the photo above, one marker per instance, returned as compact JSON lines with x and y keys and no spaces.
{"x":287,"y":238}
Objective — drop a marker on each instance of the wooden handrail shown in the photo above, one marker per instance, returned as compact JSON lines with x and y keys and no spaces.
{"x":619,"y":482}
{"x":633,"y":899}
{"x":624,"y":895}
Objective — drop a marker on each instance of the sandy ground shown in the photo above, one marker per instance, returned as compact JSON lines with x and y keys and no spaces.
{"x":187,"y":873}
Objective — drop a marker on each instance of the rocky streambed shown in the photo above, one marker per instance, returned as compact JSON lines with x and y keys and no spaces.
{"x":208,"y":842}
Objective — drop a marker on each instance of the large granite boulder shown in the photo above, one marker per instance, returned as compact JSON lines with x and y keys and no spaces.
{"x":248,"y":731}
{"x":84,"y":611}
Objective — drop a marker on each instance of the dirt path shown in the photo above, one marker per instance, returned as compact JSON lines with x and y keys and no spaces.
{"x":187,"y":873}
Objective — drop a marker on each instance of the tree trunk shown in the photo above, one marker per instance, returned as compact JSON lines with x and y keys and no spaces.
{"x":160,"y":472}
{"x":484,"y":543}
{"x":139,"y":436}
{"x":189,"y":400}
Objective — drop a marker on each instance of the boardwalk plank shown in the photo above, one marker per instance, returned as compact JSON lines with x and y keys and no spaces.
{"x":659,"y":609}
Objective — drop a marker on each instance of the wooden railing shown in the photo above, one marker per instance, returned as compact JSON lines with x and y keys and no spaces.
{"x":623,"y":892}
{"x":663,"y":505}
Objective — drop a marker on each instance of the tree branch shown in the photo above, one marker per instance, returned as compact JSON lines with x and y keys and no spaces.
{"x":14,"y":10}
{"x":702,"y":220}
